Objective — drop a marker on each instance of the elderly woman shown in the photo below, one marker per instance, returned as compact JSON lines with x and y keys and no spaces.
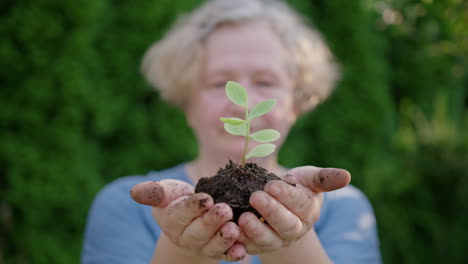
{"x":264,"y":46}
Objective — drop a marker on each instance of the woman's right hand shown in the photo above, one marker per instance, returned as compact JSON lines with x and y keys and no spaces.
{"x":191,"y":221}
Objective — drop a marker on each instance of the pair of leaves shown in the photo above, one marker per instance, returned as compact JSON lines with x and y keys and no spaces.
{"x":238,"y":95}
{"x":262,"y":136}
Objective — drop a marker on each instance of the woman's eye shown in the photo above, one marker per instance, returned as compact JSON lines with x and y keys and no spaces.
{"x":265,"y":84}
{"x":218,"y":84}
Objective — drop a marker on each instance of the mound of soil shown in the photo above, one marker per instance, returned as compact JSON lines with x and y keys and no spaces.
{"x":234,"y":184}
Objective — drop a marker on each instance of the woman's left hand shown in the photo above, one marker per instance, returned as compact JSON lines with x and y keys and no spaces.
{"x":289,"y":212}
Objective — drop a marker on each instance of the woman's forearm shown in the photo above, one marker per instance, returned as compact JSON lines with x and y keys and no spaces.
{"x":167,"y":253}
{"x":307,"y":250}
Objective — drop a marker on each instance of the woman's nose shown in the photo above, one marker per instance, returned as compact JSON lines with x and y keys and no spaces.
{"x":253,"y":93}
{"x":254,"y":97}
{"x":234,"y":110}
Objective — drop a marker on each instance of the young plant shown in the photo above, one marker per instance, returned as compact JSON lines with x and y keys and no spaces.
{"x":241,"y":127}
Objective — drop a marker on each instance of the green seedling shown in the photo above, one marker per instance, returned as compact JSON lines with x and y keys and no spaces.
{"x":241,"y":127}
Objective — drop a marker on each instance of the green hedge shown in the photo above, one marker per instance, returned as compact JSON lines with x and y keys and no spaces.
{"x":75,"y":114}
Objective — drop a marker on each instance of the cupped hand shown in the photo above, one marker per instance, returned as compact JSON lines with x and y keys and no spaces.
{"x":191,"y":221}
{"x":288,"y":212}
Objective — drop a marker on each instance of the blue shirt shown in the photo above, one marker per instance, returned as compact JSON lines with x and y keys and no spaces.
{"x":119,"y":230}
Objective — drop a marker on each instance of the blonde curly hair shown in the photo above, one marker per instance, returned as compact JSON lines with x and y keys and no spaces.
{"x":171,"y":64}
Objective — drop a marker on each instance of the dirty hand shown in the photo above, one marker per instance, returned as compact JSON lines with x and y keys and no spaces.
{"x":288,"y":212}
{"x":191,"y":221}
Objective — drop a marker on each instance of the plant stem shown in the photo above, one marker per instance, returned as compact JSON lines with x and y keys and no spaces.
{"x":247,"y":137}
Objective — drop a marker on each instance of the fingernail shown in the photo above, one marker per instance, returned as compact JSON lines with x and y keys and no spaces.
{"x":202,"y":203}
{"x":237,"y":254}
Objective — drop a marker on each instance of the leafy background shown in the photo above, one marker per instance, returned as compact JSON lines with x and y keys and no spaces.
{"x":75,"y":114}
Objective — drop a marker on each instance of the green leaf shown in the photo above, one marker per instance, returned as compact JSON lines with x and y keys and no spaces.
{"x":236,"y":93}
{"x":261,"y":108}
{"x":238,"y":130}
{"x":232,"y":121}
{"x":266,"y":135}
{"x":261,"y":151}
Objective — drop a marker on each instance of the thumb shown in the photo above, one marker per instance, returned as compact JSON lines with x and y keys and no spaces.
{"x":160,"y":194}
{"x":319,"y":179}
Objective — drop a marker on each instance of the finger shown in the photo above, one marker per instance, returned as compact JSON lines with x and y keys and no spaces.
{"x":236,"y":252}
{"x":181,"y":213}
{"x":203,"y":228}
{"x":301,"y":201}
{"x":259,"y":237}
{"x":319,"y":179}
{"x":221,"y":241}
{"x":286,"y":224}
{"x":161,"y":193}
{"x":249,"y":245}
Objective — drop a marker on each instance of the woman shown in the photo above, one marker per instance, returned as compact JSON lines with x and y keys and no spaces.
{"x":264,"y":46}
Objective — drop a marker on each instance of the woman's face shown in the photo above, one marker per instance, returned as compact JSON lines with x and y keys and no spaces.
{"x":252,"y":55}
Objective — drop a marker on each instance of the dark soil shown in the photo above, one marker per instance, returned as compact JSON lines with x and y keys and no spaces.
{"x":234,"y":184}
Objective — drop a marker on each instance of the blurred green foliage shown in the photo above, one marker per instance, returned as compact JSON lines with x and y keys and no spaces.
{"x":75,"y":113}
